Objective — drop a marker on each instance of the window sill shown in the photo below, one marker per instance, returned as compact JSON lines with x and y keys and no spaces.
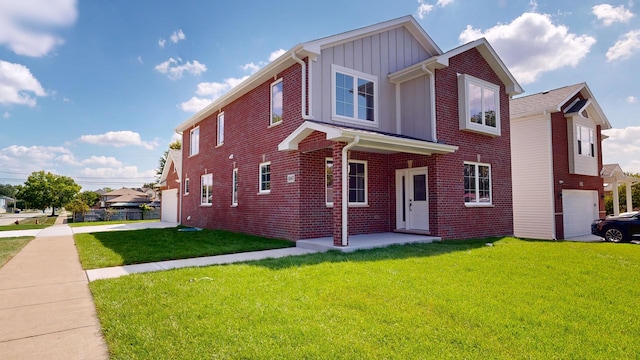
{"x":329,"y":205}
{"x":264,"y":192}
{"x":206,"y":205}
{"x":469,"y":205}
{"x":219,"y":145}
{"x":234,"y":205}
{"x":358,"y":205}
{"x":274,"y":124}
{"x":366,"y":123}
{"x":192,"y":155}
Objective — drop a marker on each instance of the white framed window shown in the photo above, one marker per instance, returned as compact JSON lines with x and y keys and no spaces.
{"x":206,"y":197}
{"x":328,"y":181}
{"x":354,"y":96}
{"x":194,"y":141}
{"x":479,"y":105}
{"x":477,"y":184}
{"x":220,"y":138}
{"x":186,"y":186}
{"x":357,"y":182}
{"x":234,"y":187}
{"x":586,"y":146}
{"x":276,"y":102}
{"x":265,"y":178}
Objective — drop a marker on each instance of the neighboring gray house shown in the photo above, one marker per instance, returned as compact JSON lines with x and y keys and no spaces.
{"x":5,"y":202}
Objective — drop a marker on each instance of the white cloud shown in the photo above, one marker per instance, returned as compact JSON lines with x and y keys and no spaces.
{"x":66,"y":100}
{"x":195,"y":104}
{"x":68,"y":159}
{"x":532,"y":44}
{"x":250,"y":67}
{"x":177,"y":36}
{"x":128,"y":173}
{"x":610,"y":14}
{"x":140,"y":60}
{"x":162,"y":42}
{"x":119,"y":139}
{"x":25,"y":25}
{"x":443,"y":3}
{"x":208,"y":92}
{"x":6,"y":115}
{"x":27,"y":159}
{"x":623,"y":147}
{"x":632,"y":99}
{"x":17,"y":84}
{"x":533,"y":6}
{"x":175,"y":71}
{"x":423,"y":9}
{"x":276,"y":54}
{"x":625,"y":47}
{"x":102,"y":161}
{"x":175,"y":137}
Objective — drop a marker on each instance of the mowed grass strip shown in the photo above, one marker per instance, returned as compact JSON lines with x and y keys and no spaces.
{"x":30,"y":223}
{"x":115,"y":248}
{"x":517,"y":299}
{"x":9,"y":247}
{"x":98,"y":223}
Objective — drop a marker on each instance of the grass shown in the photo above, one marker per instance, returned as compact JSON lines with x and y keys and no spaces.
{"x":515,"y":300}
{"x":104,"y":249}
{"x":30,"y":223}
{"x":9,"y":247}
{"x":96,"y":223}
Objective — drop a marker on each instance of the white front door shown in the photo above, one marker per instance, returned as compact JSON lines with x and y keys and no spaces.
{"x":412,"y":199}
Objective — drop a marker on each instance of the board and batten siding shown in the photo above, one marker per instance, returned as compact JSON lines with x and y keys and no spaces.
{"x":532,"y":176}
{"x":379,"y":55}
{"x":415,"y":108}
{"x":581,"y":164}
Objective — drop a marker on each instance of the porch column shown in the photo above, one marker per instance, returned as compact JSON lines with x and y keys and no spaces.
{"x":629,"y":196}
{"x":616,"y":199}
{"x":337,"y":193}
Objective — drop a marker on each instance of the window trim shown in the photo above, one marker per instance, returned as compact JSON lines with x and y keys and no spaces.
{"x":186,"y":186}
{"x":591,"y":140}
{"x":271,"y":113}
{"x":366,"y":183}
{"x":210,"y":194}
{"x":326,"y":183}
{"x":476,"y":202}
{"x":220,"y":129}
{"x":464,"y":81}
{"x":234,"y":187}
{"x":194,"y":150}
{"x":260,"y":190}
{"x":355,"y":74}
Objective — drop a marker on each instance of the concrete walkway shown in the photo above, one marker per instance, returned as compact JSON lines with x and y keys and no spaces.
{"x":46,"y":308}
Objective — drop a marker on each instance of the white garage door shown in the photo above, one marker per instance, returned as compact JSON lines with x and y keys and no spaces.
{"x":170,"y":205}
{"x":579,"y":208}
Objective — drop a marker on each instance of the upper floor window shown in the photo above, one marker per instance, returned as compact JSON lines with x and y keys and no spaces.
{"x":206,"y":197}
{"x":194,"y":141}
{"x":276,"y":102}
{"x":477,"y":183}
{"x":479,"y":105}
{"x":265,"y":178}
{"x":220,"y":139}
{"x":586,"y":145}
{"x":354,"y":95}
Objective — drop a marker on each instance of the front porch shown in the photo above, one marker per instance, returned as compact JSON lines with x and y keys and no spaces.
{"x":366,"y":241}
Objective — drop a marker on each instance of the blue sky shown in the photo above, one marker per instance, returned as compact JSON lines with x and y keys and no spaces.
{"x":94,"y":89}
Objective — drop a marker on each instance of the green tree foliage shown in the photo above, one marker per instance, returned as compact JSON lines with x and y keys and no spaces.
{"x":43,"y":190}
{"x":90,"y":198}
{"x":77,"y":205}
{"x":176,"y":145}
{"x":8,"y":190}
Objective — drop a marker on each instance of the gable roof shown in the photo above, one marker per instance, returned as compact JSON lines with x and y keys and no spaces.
{"x":613,"y":172}
{"x":174,"y":157}
{"x":124,"y":191}
{"x":553,"y":101}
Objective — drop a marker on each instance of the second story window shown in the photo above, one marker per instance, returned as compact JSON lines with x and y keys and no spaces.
{"x":586,"y":146}
{"x":194,"y":141}
{"x":220,"y":140}
{"x":276,"y":102}
{"x":354,"y":96}
{"x":479,"y":105}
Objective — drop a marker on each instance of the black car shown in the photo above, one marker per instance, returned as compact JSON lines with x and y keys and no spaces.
{"x":622,"y":228}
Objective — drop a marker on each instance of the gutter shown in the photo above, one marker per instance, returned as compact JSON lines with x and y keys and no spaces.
{"x":345,"y":193}
{"x":432,"y":95}
{"x":303,"y":109}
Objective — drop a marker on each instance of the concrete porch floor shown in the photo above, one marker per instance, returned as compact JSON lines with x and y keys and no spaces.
{"x":366,"y":241}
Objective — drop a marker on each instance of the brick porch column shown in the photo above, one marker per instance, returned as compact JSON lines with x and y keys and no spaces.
{"x":337,"y":193}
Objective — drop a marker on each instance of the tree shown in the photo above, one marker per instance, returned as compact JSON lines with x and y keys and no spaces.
{"x":42,"y":190}
{"x":90,"y":198}
{"x":176,"y":145}
{"x":76,"y":206}
{"x":8,"y":190}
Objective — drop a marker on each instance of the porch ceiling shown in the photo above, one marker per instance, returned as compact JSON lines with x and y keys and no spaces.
{"x":370,"y":141}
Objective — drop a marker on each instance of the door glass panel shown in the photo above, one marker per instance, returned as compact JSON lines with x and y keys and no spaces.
{"x":419,"y":187}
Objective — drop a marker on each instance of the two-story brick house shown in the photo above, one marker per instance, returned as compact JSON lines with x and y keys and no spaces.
{"x":557,"y":162}
{"x":421,"y":136}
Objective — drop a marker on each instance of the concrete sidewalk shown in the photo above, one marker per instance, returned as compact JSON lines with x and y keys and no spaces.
{"x":46,"y":308}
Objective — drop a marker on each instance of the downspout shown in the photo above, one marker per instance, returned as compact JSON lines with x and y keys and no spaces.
{"x":303,"y":109}
{"x":432,"y":93}
{"x":180,"y":187}
{"x":345,"y":190}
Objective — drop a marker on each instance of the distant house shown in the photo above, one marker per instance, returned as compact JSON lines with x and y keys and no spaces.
{"x":170,"y":185}
{"x":556,"y":156}
{"x":613,"y":176}
{"x":368,"y":131}
{"x":124,"y":198}
{"x":5,"y":201}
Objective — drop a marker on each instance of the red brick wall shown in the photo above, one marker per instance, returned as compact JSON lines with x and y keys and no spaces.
{"x":561,"y":169}
{"x":450,"y":218}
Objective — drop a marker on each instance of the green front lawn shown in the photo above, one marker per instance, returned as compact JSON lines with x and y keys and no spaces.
{"x":30,"y":223}
{"x":517,"y":299}
{"x":9,"y":247}
{"x":115,"y":248}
